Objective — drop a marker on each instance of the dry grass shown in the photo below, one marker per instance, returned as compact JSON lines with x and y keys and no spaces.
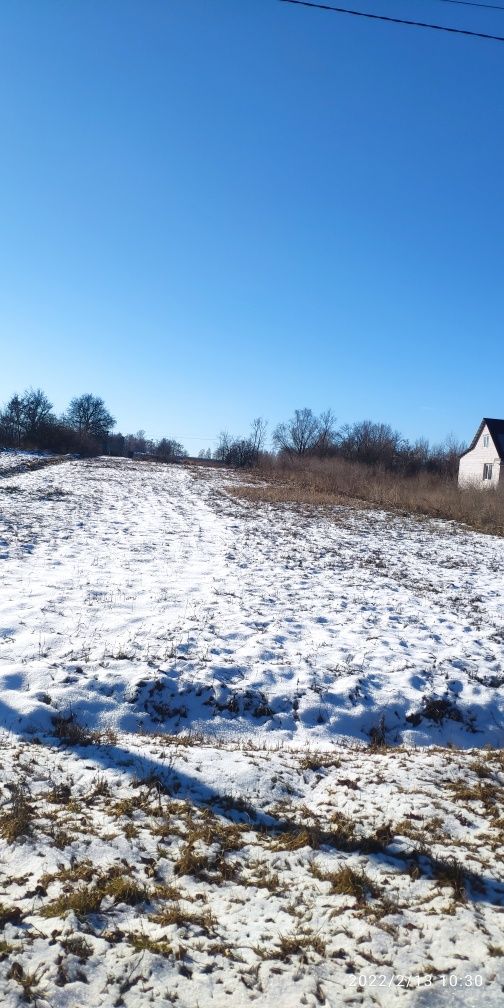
{"x":449,"y":872}
{"x":6,"y":949}
{"x":423,"y":833}
{"x":196,"y":859}
{"x":81,"y":901}
{"x":125,"y":890}
{"x":318,"y":761}
{"x":347,"y":882}
{"x":158,"y":946}
{"x":296,"y":840}
{"x":297,"y":945}
{"x":77,"y":945}
{"x":204,"y":864}
{"x":86,"y":899}
{"x":484,"y":792}
{"x":9,"y":915}
{"x":183,"y":918}
{"x":16,"y":822}
{"x":29,"y":982}
{"x":83,"y":871}
{"x":261,"y":878}
{"x":70,"y":732}
{"x":335,"y":481}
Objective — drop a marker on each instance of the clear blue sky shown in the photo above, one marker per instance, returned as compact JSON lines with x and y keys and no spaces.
{"x":217,"y":209}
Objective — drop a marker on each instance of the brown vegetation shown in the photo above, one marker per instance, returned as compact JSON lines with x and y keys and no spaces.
{"x":347,"y":882}
{"x":337,"y":481}
{"x":16,"y":822}
{"x":87,"y":899}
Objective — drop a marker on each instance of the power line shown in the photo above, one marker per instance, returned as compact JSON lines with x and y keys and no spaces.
{"x":195,"y":437}
{"x":392,"y":20}
{"x":472,"y":3}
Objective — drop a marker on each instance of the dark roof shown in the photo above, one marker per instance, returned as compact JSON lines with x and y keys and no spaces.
{"x":496,"y":430}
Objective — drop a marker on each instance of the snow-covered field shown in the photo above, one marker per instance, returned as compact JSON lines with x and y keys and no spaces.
{"x":138,"y":596}
{"x":276,"y":857}
{"x":13,"y":460}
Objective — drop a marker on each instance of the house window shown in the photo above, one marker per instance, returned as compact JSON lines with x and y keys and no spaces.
{"x":486,"y":441}
{"x":487,"y":471}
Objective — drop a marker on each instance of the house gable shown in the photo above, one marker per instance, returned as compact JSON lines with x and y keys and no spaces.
{"x":481,"y":465}
{"x":495,"y":429}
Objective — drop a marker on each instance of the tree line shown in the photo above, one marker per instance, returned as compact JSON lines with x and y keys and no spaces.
{"x":27,"y":421}
{"x":306,"y":435}
{"x":86,"y":428}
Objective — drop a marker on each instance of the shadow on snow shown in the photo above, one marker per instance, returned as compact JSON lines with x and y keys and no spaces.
{"x":184,"y":787}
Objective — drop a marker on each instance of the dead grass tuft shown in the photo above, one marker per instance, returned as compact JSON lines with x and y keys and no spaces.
{"x":450,"y":873}
{"x":261,"y":877}
{"x":157,"y":946}
{"x":318,"y":761}
{"x":70,"y":732}
{"x":29,"y":982}
{"x":125,"y":890}
{"x":82,"y":871}
{"x":9,"y":915}
{"x":496,"y":951}
{"x":205,"y":845}
{"x":297,"y":945}
{"x":77,"y":945}
{"x":87,"y":899}
{"x":483,"y":791}
{"x":192,"y":862}
{"x":126,"y":807}
{"x":81,"y":901}
{"x":296,"y":840}
{"x":16,"y":823}
{"x":6,"y":948}
{"x":183,"y":918}
{"x":347,"y":882}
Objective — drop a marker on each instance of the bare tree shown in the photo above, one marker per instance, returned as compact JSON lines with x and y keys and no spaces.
{"x":116,"y":444}
{"x":372,"y":443}
{"x":12,"y":420}
{"x":327,"y":434}
{"x":242,"y":453}
{"x":36,"y":413}
{"x":88,"y":415}
{"x":222,"y":449}
{"x":299,"y":435}
{"x":170,"y":450}
{"x":445,"y":458}
{"x":135,"y":443}
{"x":258,"y":433}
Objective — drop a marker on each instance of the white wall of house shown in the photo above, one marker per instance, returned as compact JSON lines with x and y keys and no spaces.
{"x":474,"y":465}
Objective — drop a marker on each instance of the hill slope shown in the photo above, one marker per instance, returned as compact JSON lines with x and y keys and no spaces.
{"x":156,"y":600}
{"x":191,"y":811}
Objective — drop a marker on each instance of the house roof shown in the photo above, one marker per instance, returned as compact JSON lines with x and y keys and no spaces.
{"x":496,"y":430}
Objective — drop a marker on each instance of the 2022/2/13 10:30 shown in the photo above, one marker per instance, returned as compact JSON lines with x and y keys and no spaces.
{"x":411,"y":981}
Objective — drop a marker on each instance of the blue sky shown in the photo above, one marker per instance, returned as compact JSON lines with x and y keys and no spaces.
{"x":218,"y":209}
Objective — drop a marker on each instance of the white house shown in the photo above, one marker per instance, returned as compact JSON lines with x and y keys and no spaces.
{"x":483,"y":462}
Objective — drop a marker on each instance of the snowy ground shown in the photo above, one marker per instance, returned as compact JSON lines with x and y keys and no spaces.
{"x":138,"y":595}
{"x":14,"y":460}
{"x":276,"y":858}
{"x":156,"y":873}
